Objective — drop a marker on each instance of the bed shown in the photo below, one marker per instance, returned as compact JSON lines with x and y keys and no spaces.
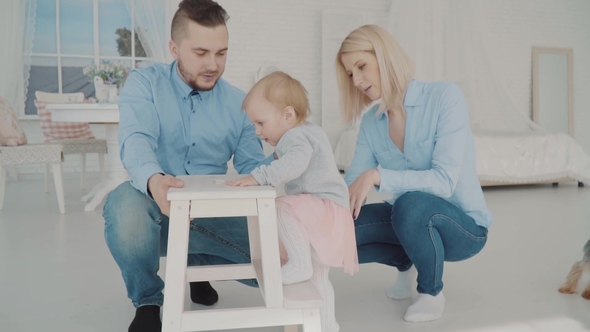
{"x":509,"y":158}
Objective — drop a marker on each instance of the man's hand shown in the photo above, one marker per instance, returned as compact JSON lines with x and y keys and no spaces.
{"x":158,"y":186}
{"x":360,"y":188}
{"x":243,"y":182}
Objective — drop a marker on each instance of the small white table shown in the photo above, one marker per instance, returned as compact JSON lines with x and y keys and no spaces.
{"x":107,"y":114}
{"x":208,"y":196}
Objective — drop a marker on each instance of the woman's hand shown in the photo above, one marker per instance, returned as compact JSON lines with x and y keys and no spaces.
{"x":243,"y":182}
{"x":360,"y":188}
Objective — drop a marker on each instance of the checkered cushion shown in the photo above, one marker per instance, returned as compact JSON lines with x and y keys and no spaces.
{"x":61,"y":130}
{"x":31,"y":154}
{"x":75,"y":146}
{"x":11,"y":133}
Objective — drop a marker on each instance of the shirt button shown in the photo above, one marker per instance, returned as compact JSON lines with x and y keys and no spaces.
{"x":193,"y":112}
{"x":193,"y":144}
{"x":188,"y":162}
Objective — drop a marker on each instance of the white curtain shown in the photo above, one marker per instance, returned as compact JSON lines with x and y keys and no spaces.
{"x":418,"y":26}
{"x":447,"y":39}
{"x":17,"y":22}
{"x":150,"y":25}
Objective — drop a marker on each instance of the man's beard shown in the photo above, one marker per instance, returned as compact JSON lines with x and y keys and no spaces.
{"x":192,"y":81}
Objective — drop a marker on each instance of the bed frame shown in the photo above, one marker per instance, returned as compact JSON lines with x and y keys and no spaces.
{"x":554,"y":182}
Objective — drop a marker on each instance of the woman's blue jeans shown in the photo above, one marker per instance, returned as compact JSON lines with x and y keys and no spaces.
{"x":420,"y":229}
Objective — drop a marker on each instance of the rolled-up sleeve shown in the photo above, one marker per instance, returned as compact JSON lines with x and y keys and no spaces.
{"x":447,"y":158}
{"x":139,"y":131}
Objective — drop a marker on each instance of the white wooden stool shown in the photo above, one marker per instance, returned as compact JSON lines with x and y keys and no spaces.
{"x":209,"y":196}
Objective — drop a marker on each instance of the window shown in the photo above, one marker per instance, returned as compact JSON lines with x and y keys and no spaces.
{"x":72,"y":34}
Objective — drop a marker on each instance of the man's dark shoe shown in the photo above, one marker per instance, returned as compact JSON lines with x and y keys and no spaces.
{"x":147,"y":319}
{"x":203,"y":293}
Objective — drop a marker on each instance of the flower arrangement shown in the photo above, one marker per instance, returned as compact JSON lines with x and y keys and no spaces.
{"x":111,"y":73}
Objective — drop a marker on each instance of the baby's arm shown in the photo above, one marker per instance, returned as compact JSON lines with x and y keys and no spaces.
{"x":289,"y":166}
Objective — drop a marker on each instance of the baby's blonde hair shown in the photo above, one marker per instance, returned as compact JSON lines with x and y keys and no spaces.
{"x":281,"y":90}
{"x":395,"y":68}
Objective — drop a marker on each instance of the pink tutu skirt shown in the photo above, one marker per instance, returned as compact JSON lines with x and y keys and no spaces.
{"x":329,"y":227}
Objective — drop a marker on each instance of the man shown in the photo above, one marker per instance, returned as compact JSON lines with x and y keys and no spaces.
{"x":178,"y":119}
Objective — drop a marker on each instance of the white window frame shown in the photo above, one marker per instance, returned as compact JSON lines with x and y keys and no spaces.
{"x":96,"y":57}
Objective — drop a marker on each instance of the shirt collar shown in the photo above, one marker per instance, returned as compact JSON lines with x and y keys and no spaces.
{"x":414,"y":95}
{"x":185,"y":89}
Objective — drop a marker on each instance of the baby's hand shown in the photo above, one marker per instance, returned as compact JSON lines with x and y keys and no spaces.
{"x":243,"y":182}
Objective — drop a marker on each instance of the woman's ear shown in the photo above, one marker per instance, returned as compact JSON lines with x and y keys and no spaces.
{"x":290,"y":114}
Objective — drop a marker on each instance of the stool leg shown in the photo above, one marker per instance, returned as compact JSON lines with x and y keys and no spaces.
{"x":46,"y":178}
{"x":59,"y":186}
{"x":101,"y":167}
{"x":254,"y":239}
{"x":311,"y":320}
{"x":270,"y":284}
{"x":176,"y":266}
{"x":2,"y":184}
{"x":82,"y":170}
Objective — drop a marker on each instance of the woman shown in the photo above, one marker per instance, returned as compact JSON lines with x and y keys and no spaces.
{"x":420,"y":137}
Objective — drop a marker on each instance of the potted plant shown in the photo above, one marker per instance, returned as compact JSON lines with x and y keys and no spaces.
{"x":108,"y":78}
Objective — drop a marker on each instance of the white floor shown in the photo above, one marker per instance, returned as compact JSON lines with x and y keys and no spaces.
{"x":56,"y":273}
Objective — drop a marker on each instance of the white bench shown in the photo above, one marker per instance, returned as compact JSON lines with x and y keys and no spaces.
{"x":209,"y":196}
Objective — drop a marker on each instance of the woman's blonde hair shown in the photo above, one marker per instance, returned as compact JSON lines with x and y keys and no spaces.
{"x":395,"y":68}
{"x":282,"y":90}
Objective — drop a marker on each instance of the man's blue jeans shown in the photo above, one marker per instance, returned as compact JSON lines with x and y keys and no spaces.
{"x":420,"y":229}
{"x":137,"y":235}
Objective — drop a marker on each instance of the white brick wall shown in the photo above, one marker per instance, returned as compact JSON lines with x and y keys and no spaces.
{"x":288,"y":33}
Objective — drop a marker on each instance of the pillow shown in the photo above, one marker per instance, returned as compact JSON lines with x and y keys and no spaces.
{"x":61,"y":130}
{"x":11,"y":133}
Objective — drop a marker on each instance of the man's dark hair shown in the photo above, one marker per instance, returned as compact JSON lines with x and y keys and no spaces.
{"x":207,"y":13}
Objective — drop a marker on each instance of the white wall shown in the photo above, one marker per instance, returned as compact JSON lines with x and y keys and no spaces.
{"x":516,"y":26}
{"x":288,"y":32}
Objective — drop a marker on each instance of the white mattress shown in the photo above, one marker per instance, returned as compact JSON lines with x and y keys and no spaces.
{"x":530,"y":157}
{"x":509,"y":157}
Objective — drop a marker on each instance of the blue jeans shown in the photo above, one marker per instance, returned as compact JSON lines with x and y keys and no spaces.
{"x":420,"y":229}
{"x":137,"y":235}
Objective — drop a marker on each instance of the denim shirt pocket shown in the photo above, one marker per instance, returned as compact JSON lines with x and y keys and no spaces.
{"x":390,"y":159}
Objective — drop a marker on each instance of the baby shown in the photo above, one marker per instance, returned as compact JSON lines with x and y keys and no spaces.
{"x":314,"y":220}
